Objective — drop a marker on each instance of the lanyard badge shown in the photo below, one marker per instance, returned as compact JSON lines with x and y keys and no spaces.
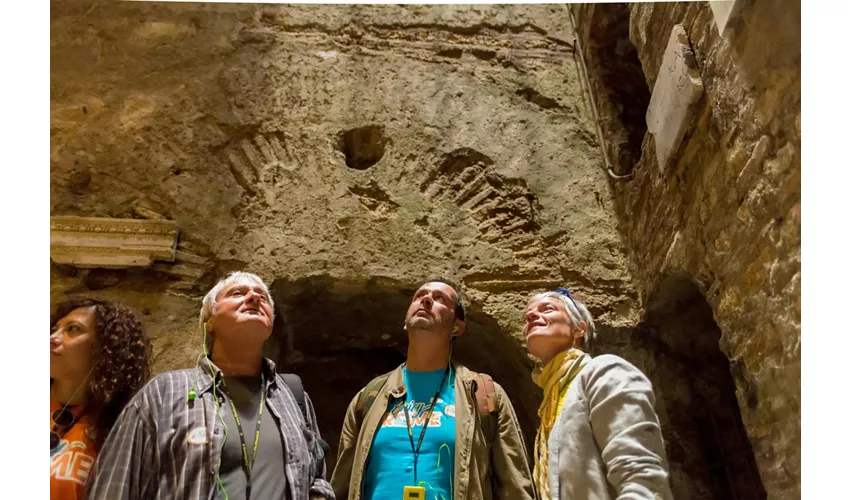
{"x":246,"y":464}
{"x":418,"y":492}
{"x":414,"y":493}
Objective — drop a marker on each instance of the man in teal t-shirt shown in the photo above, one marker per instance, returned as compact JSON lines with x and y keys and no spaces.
{"x":381,"y":458}
{"x":391,"y":464}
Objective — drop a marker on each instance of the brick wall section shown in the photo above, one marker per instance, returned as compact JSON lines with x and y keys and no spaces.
{"x":727,"y":211}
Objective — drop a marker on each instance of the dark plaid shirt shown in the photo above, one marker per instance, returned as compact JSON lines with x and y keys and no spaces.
{"x":165,"y":446}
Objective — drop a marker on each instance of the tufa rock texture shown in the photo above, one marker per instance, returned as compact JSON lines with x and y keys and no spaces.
{"x":342,"y":153}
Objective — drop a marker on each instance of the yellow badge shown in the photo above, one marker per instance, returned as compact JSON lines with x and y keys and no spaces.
{"x":414,"y":493}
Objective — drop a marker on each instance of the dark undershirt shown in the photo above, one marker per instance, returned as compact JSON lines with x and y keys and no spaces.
{"x":268,"y":480}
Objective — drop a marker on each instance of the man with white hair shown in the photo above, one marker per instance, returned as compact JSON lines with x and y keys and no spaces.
{"x":229,"y":428}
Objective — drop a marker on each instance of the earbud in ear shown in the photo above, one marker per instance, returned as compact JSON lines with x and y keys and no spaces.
{"x":454,"y":330}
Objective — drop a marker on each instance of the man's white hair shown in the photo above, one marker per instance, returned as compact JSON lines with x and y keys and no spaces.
{"x":208,"y":305}
{"x":577,"y":312}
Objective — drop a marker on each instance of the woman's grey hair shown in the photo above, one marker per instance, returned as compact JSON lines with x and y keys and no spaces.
{"x":208,"y":305}
{"x":577,"y":313}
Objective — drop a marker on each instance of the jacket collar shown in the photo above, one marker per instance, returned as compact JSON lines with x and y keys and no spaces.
{"x":208,"y":371}
{"x":395,"y":381}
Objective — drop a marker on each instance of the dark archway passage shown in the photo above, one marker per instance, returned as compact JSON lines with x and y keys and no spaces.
{"x":677,"y":347}
{"x":339,"y":334}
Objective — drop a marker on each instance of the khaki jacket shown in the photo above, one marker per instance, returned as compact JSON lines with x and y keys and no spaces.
{"x":484,"y":469}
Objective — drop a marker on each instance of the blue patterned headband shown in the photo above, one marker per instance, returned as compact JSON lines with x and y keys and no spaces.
{"x":564,"y":291}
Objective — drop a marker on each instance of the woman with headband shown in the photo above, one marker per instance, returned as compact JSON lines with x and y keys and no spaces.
{"x":599,"y":435}
{"x":99,"y":357}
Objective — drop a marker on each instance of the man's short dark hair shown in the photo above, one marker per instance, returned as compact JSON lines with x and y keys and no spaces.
{"x":460,"y":309}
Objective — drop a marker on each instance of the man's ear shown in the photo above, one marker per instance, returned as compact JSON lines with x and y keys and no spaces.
{"x":458,"y":328}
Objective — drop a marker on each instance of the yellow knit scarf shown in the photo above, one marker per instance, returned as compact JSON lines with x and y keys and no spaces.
{"x":554,"y":379}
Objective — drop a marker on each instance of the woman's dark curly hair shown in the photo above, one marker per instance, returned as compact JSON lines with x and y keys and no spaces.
{"x":120,"y":356}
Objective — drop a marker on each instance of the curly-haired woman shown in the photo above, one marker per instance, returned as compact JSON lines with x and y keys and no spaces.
{"x":599,"y":436}
{"x":99,"y":357}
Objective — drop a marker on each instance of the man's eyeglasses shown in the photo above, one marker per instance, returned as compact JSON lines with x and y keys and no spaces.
{"x":63,"y":420}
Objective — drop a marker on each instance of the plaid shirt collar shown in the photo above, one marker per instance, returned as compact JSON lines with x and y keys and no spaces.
{"x":209,"y":371}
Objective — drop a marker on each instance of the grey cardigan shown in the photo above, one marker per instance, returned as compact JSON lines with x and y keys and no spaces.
{"x":607,"y":443}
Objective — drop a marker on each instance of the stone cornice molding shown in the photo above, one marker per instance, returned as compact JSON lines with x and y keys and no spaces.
{"x":88,"y":242}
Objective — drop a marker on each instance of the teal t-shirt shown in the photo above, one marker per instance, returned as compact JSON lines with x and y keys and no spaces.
{"x":389,"y":467}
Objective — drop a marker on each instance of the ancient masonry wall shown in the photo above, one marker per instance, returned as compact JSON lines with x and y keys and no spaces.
{"x":343,"y":152}
{"x":724,"y":211}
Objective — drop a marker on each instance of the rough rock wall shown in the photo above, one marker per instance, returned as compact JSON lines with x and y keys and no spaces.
{"x":341,"y":152}
{"x":726,"y":214}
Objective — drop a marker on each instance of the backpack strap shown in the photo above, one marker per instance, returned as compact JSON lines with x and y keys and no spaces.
{"x":296,"y":386}
{"x":485,"y":393}
{"x":485,"y":401}
{"x":368,"y":395}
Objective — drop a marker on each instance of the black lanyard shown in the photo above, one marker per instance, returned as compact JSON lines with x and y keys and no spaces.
{"x":246,"y":466}
{"x":424,"y":427}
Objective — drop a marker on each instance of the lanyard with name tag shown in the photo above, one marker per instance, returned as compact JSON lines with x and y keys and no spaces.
{"x":417,"y":492}
{"x":246,"y":465}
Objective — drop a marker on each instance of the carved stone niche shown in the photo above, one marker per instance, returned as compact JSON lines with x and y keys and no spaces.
{"x":677,"y":90}
{"x":88,"y":242}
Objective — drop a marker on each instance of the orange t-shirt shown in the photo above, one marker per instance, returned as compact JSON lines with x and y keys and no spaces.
{"x":72,"y":461}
